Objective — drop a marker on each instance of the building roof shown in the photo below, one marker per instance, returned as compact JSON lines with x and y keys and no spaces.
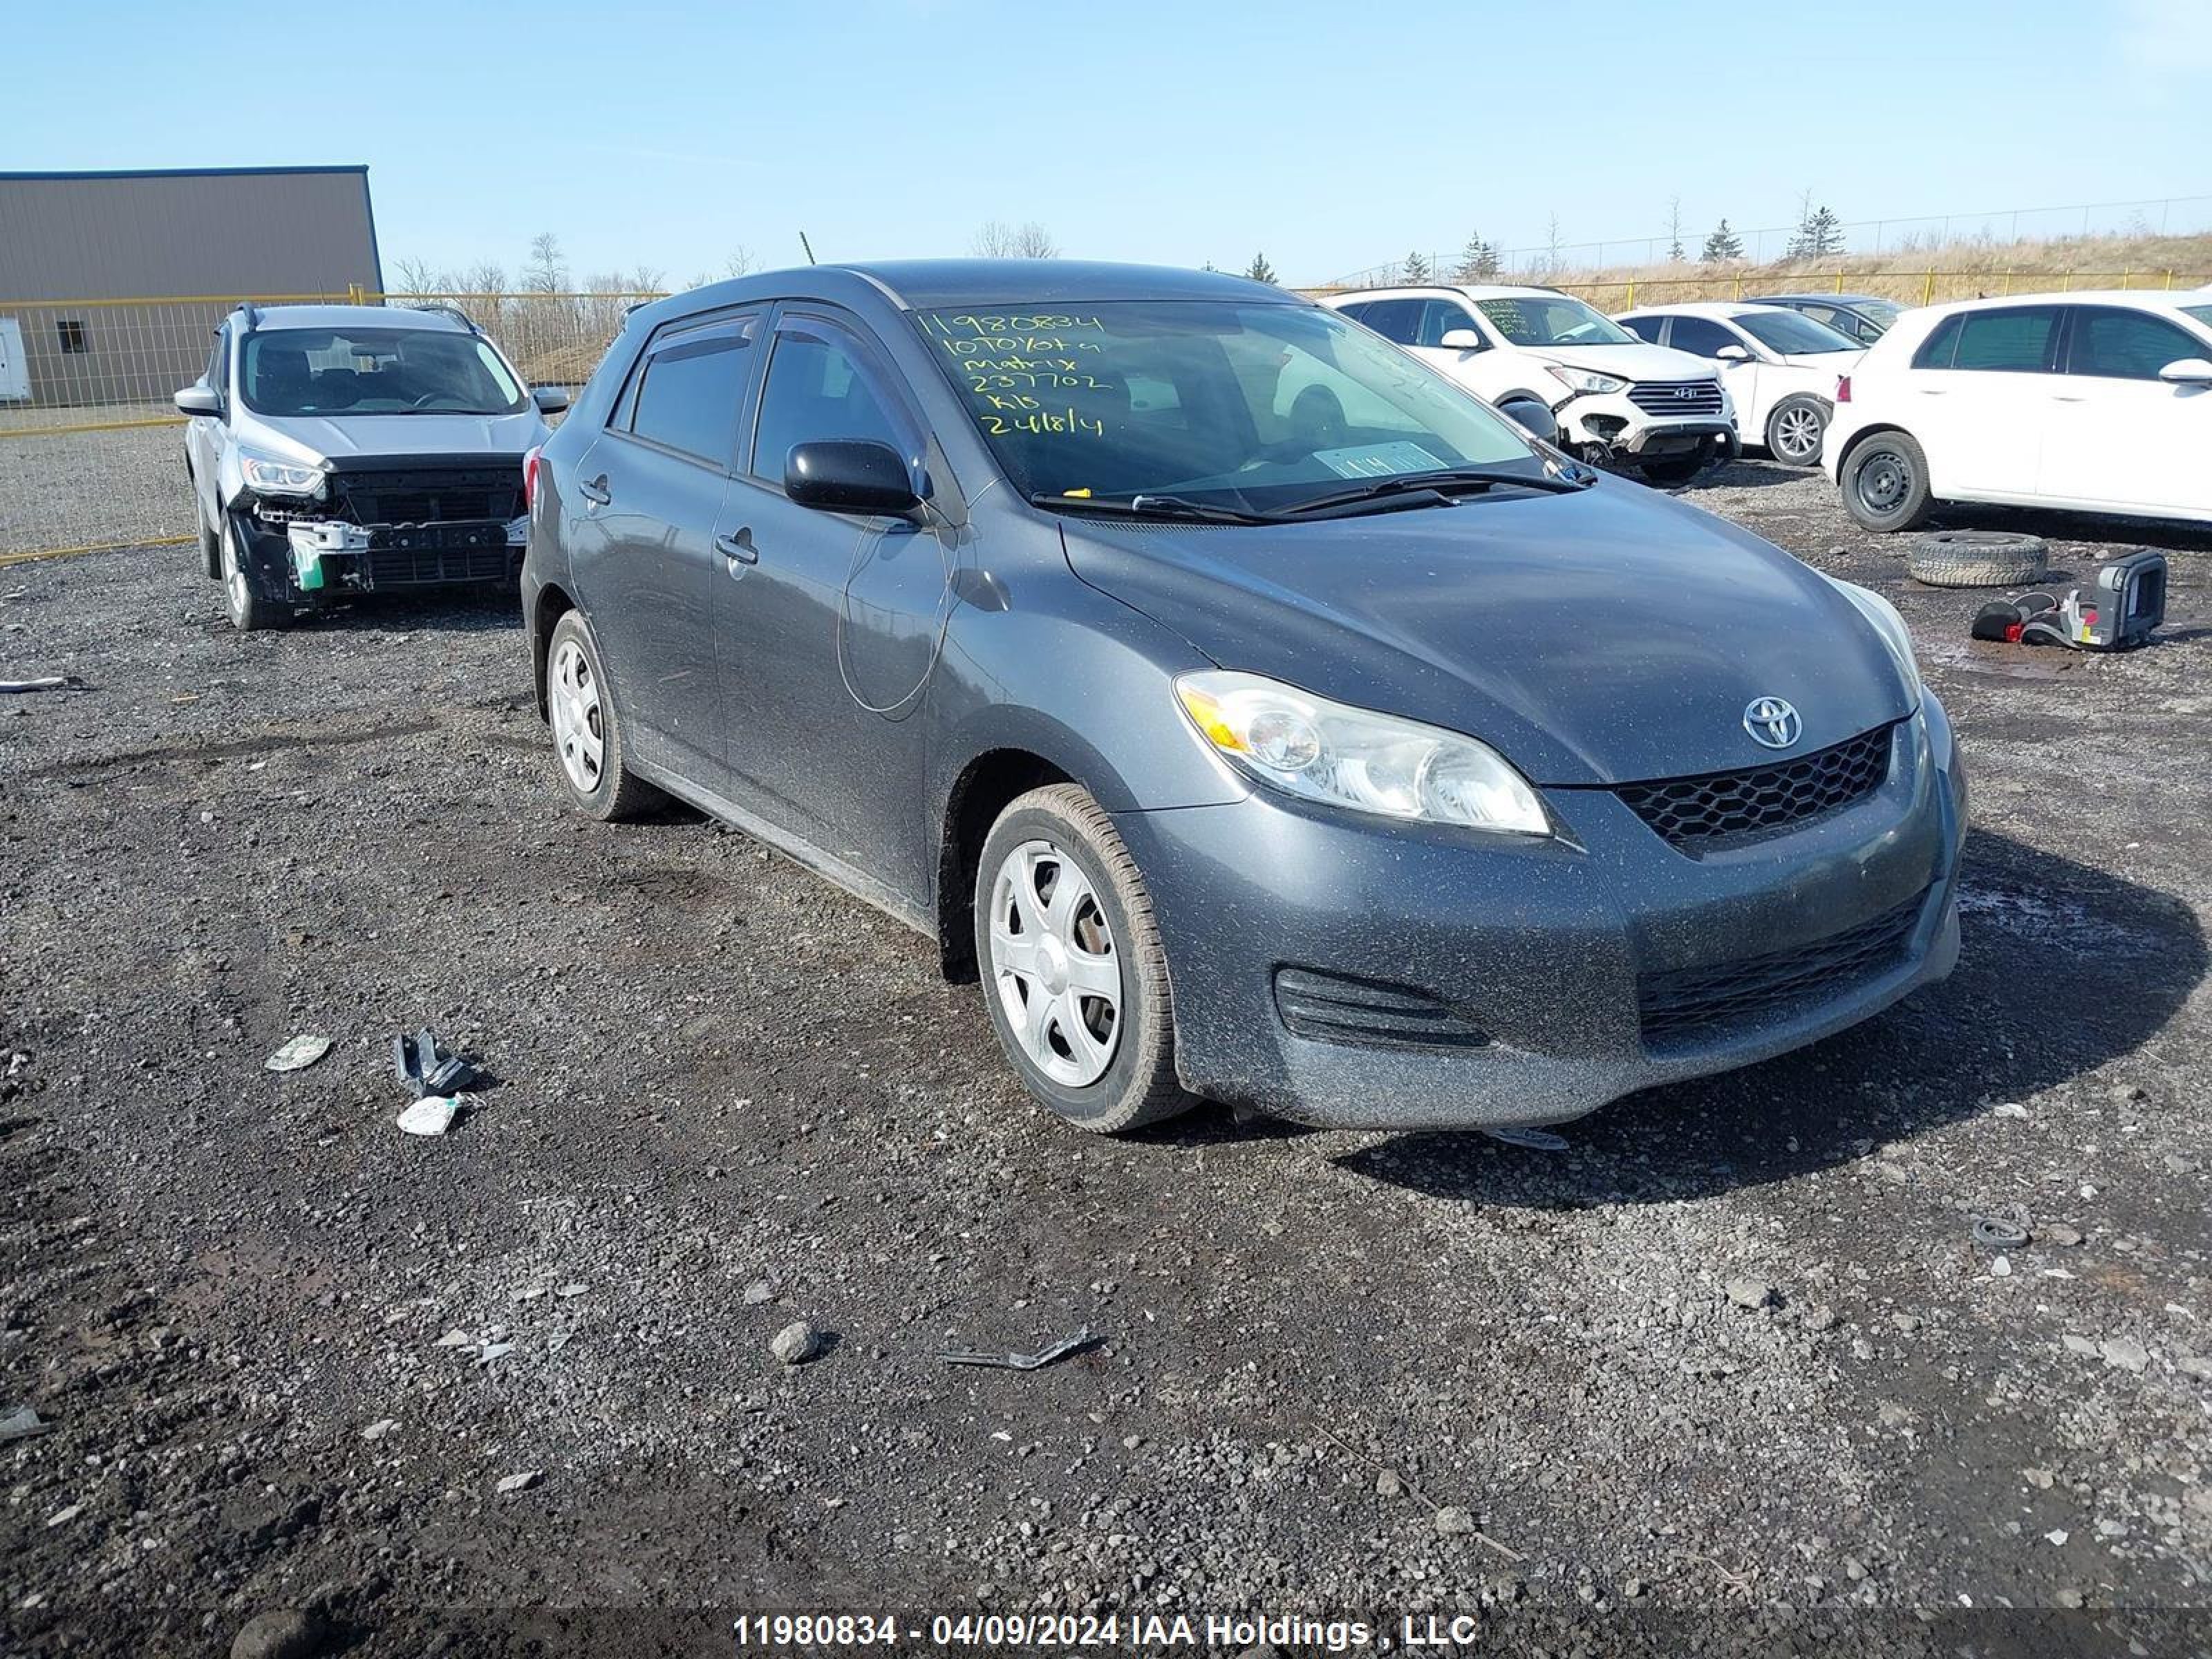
{"x":184,"y":173}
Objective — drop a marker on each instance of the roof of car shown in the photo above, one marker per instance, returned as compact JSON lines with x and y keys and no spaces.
{"x":1822,"y":299}
{"x":1722,"y":308}
{"x":393,"y":316}
{"x":1465,"y":290}
{"x":2142,"y":299}
{"x":924,"y":284}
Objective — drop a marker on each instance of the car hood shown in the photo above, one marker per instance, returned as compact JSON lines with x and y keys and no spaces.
{"x":1631,"y":362}
{"x":312,"y":438}
{"x":1608,"y":637}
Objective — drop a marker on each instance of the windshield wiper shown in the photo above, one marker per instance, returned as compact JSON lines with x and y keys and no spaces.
{"x":1444,"y":482}
{"x":1146,"y":505}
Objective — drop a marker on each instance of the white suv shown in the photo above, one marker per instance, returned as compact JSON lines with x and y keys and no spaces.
{"x":2098,"y":402}
{"x":1616,"y":401}
{"x":1779,"y":365}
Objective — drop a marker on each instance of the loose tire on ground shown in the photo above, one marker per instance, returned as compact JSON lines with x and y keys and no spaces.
{"x":589,"y":748}
{"x":1978,"y":558}
{"x":1795,"y":428}
{"x":1113,"y":918}
{"x":1884,"y":481}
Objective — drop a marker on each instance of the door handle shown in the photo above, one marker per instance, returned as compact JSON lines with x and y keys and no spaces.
{"x":738,"y":547}
{"x":1931,"y":390}
{"x":2065,"y":398}
{"x":595,"y":490}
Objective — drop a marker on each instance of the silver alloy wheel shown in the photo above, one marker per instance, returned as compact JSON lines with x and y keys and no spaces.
{"x":1797,"y":433}
{"x":579,"y":723}
{"x":234,"y":575}
{"x":1053,"y":965}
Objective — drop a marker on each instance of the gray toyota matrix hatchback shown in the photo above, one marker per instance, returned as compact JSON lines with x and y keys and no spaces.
{"x":1256,"y":715}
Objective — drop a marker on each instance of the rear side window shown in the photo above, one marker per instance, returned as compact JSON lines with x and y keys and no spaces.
{"x":687,"y":395}
{"x":2126,"y":345}
{"x":1645,"y":328}
{"x":1994,"y":342}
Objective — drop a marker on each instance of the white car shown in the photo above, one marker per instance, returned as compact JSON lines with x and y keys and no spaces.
{"x":1615,"y":399}
{"x":1779,"y":365}
{"x":2097,"y":402}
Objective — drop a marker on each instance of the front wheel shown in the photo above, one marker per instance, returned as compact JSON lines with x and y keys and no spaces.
{"x":1885,"y":483}
{"x":1072,"y":965}
{"x":1675,"y":468}
{"x":1795,"y":430}
{"x":249,"y":612}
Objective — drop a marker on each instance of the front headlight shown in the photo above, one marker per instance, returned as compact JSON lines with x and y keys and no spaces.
{"x":267,"y":476}
{"x":1891,"y":626}
{"x":1584,"y":380}
{"x":1337,"y":755}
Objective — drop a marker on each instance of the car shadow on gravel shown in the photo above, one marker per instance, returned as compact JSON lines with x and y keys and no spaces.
{"x":2066,"y":969}
{"x":461,"y":611}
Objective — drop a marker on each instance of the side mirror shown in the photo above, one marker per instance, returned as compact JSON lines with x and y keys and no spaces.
{"x":204,"y":400}
{"x":1460,"y":339}
{"x":550,"y":399}
{"x":1732,"y":353}
{"x":2189,"y":371}
{"x":1532,"y":418}
{"x":850,"y":477}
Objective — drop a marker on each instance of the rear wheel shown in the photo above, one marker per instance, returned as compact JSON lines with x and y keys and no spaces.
{"x":1072,"y":965}
{"x":588,"y":734}
{"x":1885,"y":483}
{"x":1795,"y":430}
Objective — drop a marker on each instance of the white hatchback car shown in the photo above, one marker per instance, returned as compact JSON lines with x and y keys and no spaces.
{"x":1779,"y":365}
{"x":1614,"y":398}
{"x":2096,"y":401}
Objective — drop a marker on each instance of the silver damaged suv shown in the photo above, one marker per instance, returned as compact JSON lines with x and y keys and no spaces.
{"x":342,"y":450}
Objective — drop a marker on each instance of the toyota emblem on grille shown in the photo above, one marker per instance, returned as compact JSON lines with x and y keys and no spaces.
{"x":1772,"y":722}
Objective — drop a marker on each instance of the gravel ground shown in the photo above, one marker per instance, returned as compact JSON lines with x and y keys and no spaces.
{"x":1736,"y":1346}
{"x":90,"y":488}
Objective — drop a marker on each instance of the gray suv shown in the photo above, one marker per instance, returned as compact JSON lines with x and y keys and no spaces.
{"x":341,"y":450}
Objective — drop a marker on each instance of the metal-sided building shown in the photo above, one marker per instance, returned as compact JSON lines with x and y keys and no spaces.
{"x":181,"y":247}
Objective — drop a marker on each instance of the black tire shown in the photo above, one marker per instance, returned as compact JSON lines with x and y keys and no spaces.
{"x":614,"y":792}
{"x":1884,"y":481}
{"x":1978,"y":558}
{"x":1795,"y":428}
{"x":1676,"y":469}
{"x":1139,"y":1085}
{"x":249,"y":612}
{"x":210,"y":550}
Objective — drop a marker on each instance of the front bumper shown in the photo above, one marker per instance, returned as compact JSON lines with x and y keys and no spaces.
{"x":1548,"y":953}
{"x":1615,"y":421}
{"x":309,"y":561}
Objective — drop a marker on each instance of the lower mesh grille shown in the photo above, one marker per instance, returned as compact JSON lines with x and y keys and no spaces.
{"x":1336,"y":1008}
{"x":430,"y":566}
{"x":1686,"y":1004}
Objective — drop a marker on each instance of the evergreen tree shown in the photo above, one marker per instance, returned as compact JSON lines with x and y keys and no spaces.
{"x":1478,"y":260}
{"x":1723,"y":245}
{"x":1259,"y":270}
{"x":1820,"y":233}
{"x":1416,"y":271}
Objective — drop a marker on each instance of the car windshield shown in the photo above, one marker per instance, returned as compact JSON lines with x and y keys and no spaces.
{"x":1251,"y":405}
{"x":1553,"y":320}
{"x":374,"y":371}
{"x":1791,"y":331}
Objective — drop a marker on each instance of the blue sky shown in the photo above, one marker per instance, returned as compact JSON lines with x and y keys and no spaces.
{"x":1331,"y":136}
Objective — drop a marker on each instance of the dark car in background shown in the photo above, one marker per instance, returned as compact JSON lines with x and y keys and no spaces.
{"x":1864,"y":318}
{"x":337,"y":451}
{"x":1377,"y":768}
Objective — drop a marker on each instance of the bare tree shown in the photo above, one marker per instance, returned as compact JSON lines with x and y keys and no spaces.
{"x":1675,"y":230}
{"x":1551,"y":249}
{"x":740,"y":263}
{"x":416,"y":276}
{"x":996,"y":239}
{"x":547,"y":272}
{"x":648,"y":279}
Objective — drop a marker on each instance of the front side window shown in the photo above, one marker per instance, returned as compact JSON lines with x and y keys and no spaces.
{"x":1791,"y":333}
{"x":2127,"y":345}
{"x":1272,"y":404}
{"x":2016,"y":342}
{"x":375,"y":371}
{"x":1553,"y":320}
{"x":1645,"y":328}
{"x":1440,"y":317}
{"x":1700,"y":336}
{"x":818,"y":390}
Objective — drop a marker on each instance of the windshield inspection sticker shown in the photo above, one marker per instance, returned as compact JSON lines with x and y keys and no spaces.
{"x":1377,"y":460}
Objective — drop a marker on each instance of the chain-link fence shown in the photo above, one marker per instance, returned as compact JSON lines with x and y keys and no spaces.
{"x":91,"y":446}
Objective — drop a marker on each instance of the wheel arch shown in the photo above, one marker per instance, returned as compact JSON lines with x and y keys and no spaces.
{"x":552,"y":603}
{"x":978,"y":794}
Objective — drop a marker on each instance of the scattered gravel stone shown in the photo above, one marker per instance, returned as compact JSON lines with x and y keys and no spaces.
{"x":797,"y":1343}
{"x":1822,"y":1318}
{"x":62,"y":1516}
{"x":758,"y":1291}
{"x":1388,"y":1485}
{"x":378,"y":1429}
{"x":2069,"y":1598}
{"x":522,"y":1482}
{"x":280,"y":1634}
{"x":1452,"y":1521}
{"x":1751,"y":1292}
{"x":2125,"y":1352}
{"x":2041,"y":1480}
{"x":2057,"y":1232}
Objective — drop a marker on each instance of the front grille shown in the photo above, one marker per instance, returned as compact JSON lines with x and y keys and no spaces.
{"x":1683,"y":1006}
{"x":429,"y":494}
{"x":1696,"y":812}
{"x":1337,"y":1008}
{"x":1676,"y":396}
{"x":428,"y":567}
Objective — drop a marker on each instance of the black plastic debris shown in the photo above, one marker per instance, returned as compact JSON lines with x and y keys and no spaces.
{"x":425,"y":1069}
{"x":1022,"y":1362}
